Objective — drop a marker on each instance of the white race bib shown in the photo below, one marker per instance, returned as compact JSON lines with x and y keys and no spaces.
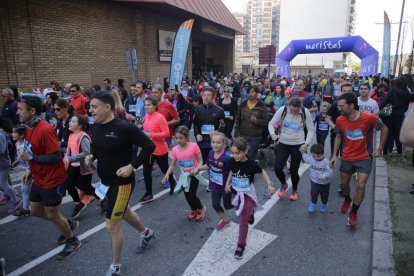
{"x":187,"y":164}
{"x":354,"y":134}
{"x":132,"y":108}
{"x":101,"y":190}
{"x":207,"y":129}
{"x":217,"y":178}
{"x":240,"y":184}
{"x":227,"y":114}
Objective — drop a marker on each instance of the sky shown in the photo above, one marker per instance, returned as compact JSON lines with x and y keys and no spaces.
{"x":369,"y":12}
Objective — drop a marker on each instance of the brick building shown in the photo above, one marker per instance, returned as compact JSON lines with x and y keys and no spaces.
{"x":83,"y":41}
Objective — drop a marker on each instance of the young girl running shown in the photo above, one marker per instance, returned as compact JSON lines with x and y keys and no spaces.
{"x":240,"y":183}
{"x":21,"y":143}
{"x":190,"y":160}
{"x":79,"y":174}
{"x":218,"y":163}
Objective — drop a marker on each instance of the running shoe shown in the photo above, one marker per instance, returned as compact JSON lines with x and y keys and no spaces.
{"x":154,"y":166}
{"x":282,"y":190}
{"x":4,"y":199}
{"x":352,"y":219}
{"x":411,"y":193}
{"x":239,"y":252}
{"x":208,"y":190}
{"x":87,"y":199}
{"x":167,"y":184}
{"x":294,"y":195}
{"x":345,"y":206}
{"x":14,"y":205}
{"x":147,"y":198}
{"x":73,"y":224}
{"x":200,"y":214}
{"x":21,"y":213}
{"x":192,"y":215}
{"x":324,"y":208}
{"x":144,"y":242}
{"x":70,"y":248}
{"x":251,"y":219}
{"x":78,"y":209}
{"x":117,"y":271}
{"x":3,"y":266}
{"x":312,"y":207}
{"x":222,"y":224}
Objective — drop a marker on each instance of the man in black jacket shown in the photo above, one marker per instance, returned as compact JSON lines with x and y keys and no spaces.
{"x":206,"y":120}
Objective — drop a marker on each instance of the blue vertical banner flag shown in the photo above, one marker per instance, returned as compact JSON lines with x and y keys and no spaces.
{"x":386,"y":48}
{"x":179,"y":53}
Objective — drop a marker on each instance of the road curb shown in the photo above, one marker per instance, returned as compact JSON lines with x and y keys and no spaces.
{"x":382,"y":245}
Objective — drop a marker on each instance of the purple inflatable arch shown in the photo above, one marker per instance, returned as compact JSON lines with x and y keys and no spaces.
{"x":355,"y":44}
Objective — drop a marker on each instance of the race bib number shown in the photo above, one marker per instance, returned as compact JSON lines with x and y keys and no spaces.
{"x":207,"y":129}
{"x":101,"y":190}
{"x":186,"y":164}
{"x":295,"y":126}
{"x":227,"y":114}
{"x":90,"y":120}
{"x":217,"y":178}
{"x":240,"y":184}
{"x":323,"y":126}
{"x":354,"y":134}
{"x":132,"y":108}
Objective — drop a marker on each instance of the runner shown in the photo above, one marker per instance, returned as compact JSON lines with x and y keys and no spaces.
{"x":189,"y":159}
{"x":355,"y":129}
{"x":112,"y":142}
{"x":251,"y":121}
{"x":48,"y":173}
{"x":5,"y":164}
{"x":156,"y":127}
{"x":165,"y":108}
{"x":240,"y":183}
{"x":218,"y":164}
{"x":365,"y":103}
{"x":230,"y":107}
{"x":18,"y":137}
{"x":206,"y":120}
{"x":79,"y":174}
{"x":322,"y":127}
{"x":292,"y":120}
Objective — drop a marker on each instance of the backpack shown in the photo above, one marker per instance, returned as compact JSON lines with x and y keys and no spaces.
{"x":11,"y":147}
{"x":278,"y":126}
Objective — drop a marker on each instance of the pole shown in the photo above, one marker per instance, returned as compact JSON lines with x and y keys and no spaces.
{"x":398,"y":39}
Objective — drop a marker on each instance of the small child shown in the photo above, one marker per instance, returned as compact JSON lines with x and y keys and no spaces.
{"x":79,"y":174}
{"x":322,"y":127}
{"x":320,"y":175}
{"x":240,"y":183}
{"x":189,"y":159}
{"x":218,"y":164}
{"x":18,"y":136}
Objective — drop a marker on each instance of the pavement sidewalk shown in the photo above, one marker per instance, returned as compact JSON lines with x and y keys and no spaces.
{"x":400,"y":179}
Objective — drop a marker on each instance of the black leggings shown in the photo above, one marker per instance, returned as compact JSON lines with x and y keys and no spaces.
{"x":216,"y":201}
{"x":191,"y":195}
{"x":162,"y":161}
{"x":282,"y":155}
{"x":394,"y":125}
{"x":83,"y":182}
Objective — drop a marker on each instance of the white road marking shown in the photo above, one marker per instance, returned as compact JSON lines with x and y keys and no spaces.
{"x":216,"y":256}
{"x":83,"y":236}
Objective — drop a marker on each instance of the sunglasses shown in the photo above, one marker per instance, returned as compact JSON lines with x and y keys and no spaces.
{"x":226,"y":91}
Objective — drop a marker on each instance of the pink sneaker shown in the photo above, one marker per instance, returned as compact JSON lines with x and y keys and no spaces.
{"x":222,"y":224}
{"x":4,"y":199}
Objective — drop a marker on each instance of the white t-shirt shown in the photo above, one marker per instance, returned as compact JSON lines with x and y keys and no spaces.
{"x":369,"y":106}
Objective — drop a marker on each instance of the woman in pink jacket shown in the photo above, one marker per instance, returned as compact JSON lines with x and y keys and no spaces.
{"x":156,"y":127}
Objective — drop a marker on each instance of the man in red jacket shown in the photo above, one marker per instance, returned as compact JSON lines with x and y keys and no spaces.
{"x":77,"y":100}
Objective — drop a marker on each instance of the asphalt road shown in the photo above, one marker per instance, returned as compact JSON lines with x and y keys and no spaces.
{"x":317,"y":244}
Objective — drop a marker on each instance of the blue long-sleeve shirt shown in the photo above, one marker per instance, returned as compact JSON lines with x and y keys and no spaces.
{"x":320,"y":171}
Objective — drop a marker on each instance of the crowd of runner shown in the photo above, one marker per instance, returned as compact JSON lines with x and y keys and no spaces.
{"x":56,"y":134}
